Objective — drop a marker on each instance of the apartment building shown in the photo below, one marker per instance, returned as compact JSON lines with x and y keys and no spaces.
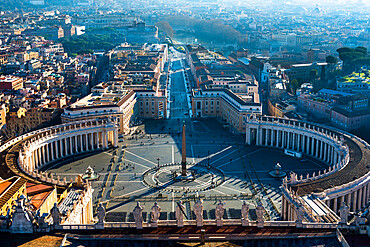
{"x":125,"y":106}
{"x":225,"y":105}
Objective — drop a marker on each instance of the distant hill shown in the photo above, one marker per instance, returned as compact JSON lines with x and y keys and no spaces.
{"x":12,"y":4}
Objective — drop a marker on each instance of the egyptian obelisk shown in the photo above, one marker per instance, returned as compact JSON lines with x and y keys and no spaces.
{"x":183,"y":160}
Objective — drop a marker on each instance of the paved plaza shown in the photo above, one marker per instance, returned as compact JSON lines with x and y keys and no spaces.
{"x":246,"y":168}
{"x":239,"y":172}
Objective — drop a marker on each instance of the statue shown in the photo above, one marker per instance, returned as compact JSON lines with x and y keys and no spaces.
{"x":259,"y":212}
{"x":180,"y":209}
{"x":344,"y":212}
{"x":300,"y":216}
{"x":198,"y":211}
{"x":89,"y":172}
{"x":156,"y":212}
{"x":245,"y":212}
{"x":293,"y":178}
{"x":55,"y":214}
{"x":79,"y":181}
{"x":42,"y":224}
{"x":138,"y":216}
{"x":220,"y":213}
{"x":341,"y":142}
{"x":101,"y":214}
{"x":21,"y":221}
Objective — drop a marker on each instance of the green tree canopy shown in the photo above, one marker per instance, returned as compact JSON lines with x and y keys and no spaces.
{"x":294,"y":85}
{"x":331,"y":59}
{"x":165,"y":27}
{"x":353,"y":58}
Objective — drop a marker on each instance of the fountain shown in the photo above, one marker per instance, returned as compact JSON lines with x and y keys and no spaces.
{"x":277,"y":173}
{"x":90,"y":174}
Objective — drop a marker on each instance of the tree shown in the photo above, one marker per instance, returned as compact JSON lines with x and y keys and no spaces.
{"x":313,"y":74}
{"x":344,"y":49}
{"x":361,"y":49}
{"x":165,"y":27}
{"x":294,"y":85}
{"x":353,"y":58}
{"x":332,"y":61}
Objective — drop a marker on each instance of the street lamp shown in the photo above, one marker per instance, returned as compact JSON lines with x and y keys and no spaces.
{"x":158,"y":161}
{"x":208,"y":158}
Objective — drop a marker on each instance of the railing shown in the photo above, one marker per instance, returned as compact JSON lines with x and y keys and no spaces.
{"x":341,"y":239}
{"x":50,"y":133}
{"x":56,"y":127}
{"x":76,"y":227}
{"x":332,"y":169}
{"x":350,"y":184}
{"x":226,"y":222}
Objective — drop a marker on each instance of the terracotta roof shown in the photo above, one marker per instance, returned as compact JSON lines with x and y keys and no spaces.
{"x":4,"y":185}
{"x":33,"y":189}
{"x":10,"y":190}
{"x":37,"y":200}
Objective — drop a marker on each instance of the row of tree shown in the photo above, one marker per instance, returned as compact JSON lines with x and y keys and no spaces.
{"x":88,"y":42}
{"x":206,"y":30}
{"x":353,"y":59}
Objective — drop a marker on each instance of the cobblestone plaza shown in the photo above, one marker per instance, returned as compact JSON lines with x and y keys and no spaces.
{"x":120,"y":184}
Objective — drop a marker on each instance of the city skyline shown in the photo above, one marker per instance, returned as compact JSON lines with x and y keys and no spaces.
{"x":173,"y":123}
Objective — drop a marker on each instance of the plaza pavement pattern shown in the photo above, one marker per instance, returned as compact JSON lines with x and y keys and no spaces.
{"x":246,"y":168}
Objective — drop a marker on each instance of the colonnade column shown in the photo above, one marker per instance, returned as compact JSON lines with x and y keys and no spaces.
{"x":115,"y":138}
{"x":364,"y":197}
{"x":349,"y":195}
{"x":47,"y":153}
{"x":335,"y":204}
{"x":39,"y":157}
{"x":312,"y":146}
{"x":52,"y":151}
{"x":359,"y":198}
{"x":86,"y":143}
{"x":92,"y":141}
{"x":76,"y":144}
{"x":355,"y":201}
{"x":71,"y":142}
